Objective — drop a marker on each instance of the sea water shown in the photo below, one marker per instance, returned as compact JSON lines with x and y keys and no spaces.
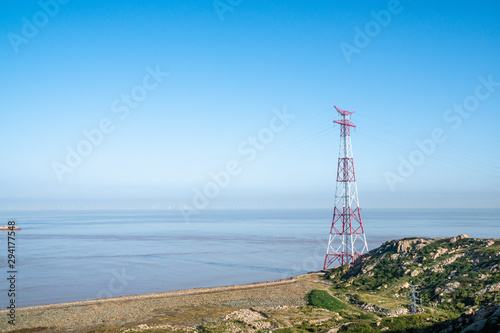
{"x":65,"y":256}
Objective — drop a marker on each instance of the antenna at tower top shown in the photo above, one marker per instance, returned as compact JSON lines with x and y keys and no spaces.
{"x":344,"y":112}
{"x":344,"y":121}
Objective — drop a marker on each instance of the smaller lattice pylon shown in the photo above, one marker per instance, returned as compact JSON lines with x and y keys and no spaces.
{"x":415,"y":302}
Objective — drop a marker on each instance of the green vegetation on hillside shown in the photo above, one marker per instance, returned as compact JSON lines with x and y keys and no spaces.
{"x":452,"y":274}
{"x":322,"y":299}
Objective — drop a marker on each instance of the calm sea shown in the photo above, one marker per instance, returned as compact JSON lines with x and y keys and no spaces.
{"x":65,"y":256}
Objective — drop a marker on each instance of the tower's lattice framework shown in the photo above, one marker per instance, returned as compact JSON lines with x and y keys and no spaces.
{"x":414,"y":300}
{"x":347,"y":237}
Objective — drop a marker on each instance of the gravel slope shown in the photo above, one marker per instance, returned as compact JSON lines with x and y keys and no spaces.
{"x":185,"y":306}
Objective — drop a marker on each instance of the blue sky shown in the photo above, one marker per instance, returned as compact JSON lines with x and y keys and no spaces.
{"x":232,"y":67}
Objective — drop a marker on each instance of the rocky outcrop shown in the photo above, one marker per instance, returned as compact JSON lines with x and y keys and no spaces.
{"x":489,"y":289}
{"x":483,"y":320}
{"x":450,"y":287}
{"x":447,"y":267}
{"x":377,"y":309}
{"x":489,"y":243}
{"x":438,"y":253}
{"x":415,"y":272}
{"x":250,"y":317}
{"x":459,"y":237}
{"x":452,"y":259}
{"x":405,"y":245}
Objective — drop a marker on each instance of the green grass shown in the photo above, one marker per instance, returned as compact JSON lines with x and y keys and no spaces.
{"x":322,"y":299}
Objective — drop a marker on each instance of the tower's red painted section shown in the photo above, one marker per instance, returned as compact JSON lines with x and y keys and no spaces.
{"x":347,"y":237}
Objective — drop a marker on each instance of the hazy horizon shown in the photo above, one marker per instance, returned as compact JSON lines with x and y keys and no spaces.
{"x":185,"y":105}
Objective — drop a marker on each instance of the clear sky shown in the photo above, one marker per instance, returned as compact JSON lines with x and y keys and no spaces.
{"x":174,"y":93}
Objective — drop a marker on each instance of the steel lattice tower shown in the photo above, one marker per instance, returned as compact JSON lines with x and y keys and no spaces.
{"x":347,"y":237}
{"x":414,"y":300}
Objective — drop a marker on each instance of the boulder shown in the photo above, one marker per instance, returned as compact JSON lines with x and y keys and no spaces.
{"x":459,"y":237}
{"x":489,"y":289}
{"x":451,"y":287}
{"x":415,"y":273}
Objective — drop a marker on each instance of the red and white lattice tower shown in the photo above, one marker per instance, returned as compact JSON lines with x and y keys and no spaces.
{"x":347,"y":236}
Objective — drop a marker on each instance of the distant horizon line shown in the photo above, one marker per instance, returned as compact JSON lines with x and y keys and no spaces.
{"x":43,"y":209}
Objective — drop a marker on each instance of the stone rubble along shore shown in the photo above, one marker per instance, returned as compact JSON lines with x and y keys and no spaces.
{"x":129,"y":311}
